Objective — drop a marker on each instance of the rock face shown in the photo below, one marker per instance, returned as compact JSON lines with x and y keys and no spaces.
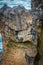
{"x":39,"y":4}
{"x":20,"y":27}
{"x":28,"y":35}
{"x":20,"y":21}
{"x":39,"y":28}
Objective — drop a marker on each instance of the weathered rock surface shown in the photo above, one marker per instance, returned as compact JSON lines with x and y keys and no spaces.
{"x":21,"y":25}
{"x":19,"y":54}
{"x":20,"y":21}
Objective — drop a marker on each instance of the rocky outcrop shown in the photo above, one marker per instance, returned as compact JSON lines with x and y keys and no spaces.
{"x":20,"y":21}
{"x":21,"y":25}
{"x":39,"y":4}
{"x":18,"y":26}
